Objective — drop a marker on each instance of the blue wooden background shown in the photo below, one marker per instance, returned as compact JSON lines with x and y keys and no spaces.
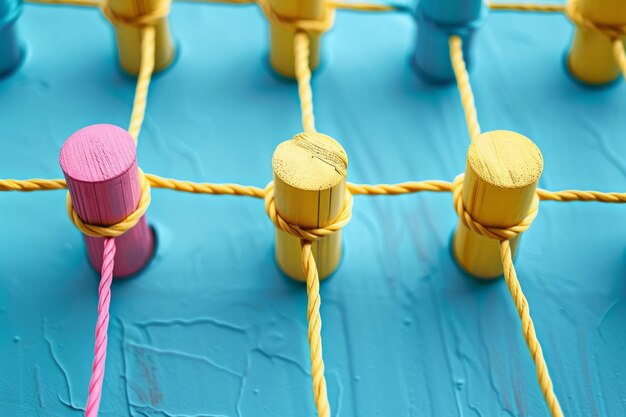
{"x":211,"y":327}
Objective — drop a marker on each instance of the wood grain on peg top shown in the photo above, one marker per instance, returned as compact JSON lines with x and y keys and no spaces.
{"x":100,"y":165}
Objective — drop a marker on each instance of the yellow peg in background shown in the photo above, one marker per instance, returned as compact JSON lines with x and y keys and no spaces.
{"x":499,"y":187}
{"x":282,"y":36}
{"x":309,"y":191}
{"x":128,"y":16}
{"x":591,"y":58}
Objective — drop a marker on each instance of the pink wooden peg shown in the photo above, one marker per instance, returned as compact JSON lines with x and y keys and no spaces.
{"x":100,"y":167}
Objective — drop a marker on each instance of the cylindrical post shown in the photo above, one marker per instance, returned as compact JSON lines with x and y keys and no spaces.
{"x":437,"y":21}
{"x":10,"y":49}
{"x":309,"y":191}
{"x":129,"y":35}
{"x":591,"y":58}
{"x":282,"y":37}
{"x":500,"y":183}
{"x":100,"y":165}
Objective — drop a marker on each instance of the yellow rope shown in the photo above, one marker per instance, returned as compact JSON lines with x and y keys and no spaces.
{"x":528,"y":329}
{"x":303,"y":75}
{"x":205,"y":188}
{"x":620,"y":55}
{"x":465,"y":88}
{"x":400,"y":188}
{"x":82,"y":3}
{"x":314,"y":318}
{"x":117,"y":229}
{"x":35,"y":184}
{"x":146,"y":69}
{"x":521,"y":7}
{"x":580,"y":195}
{"x":363,"y":7}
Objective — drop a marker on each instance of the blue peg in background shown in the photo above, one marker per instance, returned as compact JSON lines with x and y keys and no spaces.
{"x":10,"y":48}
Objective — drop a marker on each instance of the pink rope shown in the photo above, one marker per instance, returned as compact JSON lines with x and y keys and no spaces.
{"x":100,"y":354}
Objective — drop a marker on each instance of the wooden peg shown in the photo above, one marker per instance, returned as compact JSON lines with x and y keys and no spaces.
{"x":10,"y":50}
{"x":500,"y":183}
{"x":591,"y":58}
{"x":100,"y":166}
{"x":282,"y":37}
{"x":129,"y":36}
{"x":437,"y":20}
{"x":309,"y":191}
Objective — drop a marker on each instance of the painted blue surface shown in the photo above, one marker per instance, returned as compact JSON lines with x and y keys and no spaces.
{"x":212,"y":328}
{"x":10,"y":48}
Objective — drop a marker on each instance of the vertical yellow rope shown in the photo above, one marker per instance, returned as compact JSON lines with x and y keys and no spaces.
{"x":465,"y":88}
{"x":528,"y":329}
{"x":315,"y":329}
{"x":301,"y":49}
{"x":146,"y":69}
{"x":620,"y":54}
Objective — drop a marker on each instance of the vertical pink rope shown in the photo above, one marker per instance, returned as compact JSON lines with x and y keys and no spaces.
{"x":100,"y":354}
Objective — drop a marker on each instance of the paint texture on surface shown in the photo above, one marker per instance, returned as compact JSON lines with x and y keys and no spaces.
{"x":211,"y":327}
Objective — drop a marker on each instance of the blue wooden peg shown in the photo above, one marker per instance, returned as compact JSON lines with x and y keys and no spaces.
{"x":437,"y":20}
{"x":10,"y":49}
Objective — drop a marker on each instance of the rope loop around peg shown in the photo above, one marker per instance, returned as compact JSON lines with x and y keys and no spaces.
{"x":142,"y":20}
{"x":311,"y":234}
{"x":491,"y":232}
{"x":123,"y":226}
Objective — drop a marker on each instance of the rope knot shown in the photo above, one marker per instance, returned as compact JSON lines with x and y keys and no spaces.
{"x":491,"y":232}
{"x":150,"y":18}
{"x":311,"y":234}
{"x":324,"y":24}
{"x":573,"y":13}
{"x":117,"y":229}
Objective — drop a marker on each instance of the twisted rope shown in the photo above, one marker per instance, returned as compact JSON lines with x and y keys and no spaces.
{"x":579,"y":195}
{"x":314,"y":334}
{"x":306,"y":25}
{"x":497,"y":233}
{"x":309,"y":234}
{"x":465,"y":88}
{"x":528,"y":329}
{"x":35,"y":184}
{"x":503,"y":235}
{"x":400,"y":188}
{"x":521,"y":7}
{"x":117,"y":229}
{"x":102,"y":325}
{"x":301,"y":49}
{"x":205,"y":188}
{"x":146,"y":68}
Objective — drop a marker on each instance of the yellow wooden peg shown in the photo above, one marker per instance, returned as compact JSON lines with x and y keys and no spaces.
{"x":500,"y":183}
{"x":591,"y":57}
{"x":309,"y":191}
{"x":128,"y":16}
{"x":282,"y":36}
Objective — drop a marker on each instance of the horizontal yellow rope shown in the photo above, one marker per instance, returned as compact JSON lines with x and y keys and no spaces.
{"x":34,"y":184}
{"x":528,"y":329}
{"x":363,"y":7}
{"x":400,"y":188}
{"x":82,"y":3}
{"x":464,"y":86}
{"x":522,"y":7}
{"x":580,"y":195}
{"x":205,"y":188}
{"x":620,"y":55}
